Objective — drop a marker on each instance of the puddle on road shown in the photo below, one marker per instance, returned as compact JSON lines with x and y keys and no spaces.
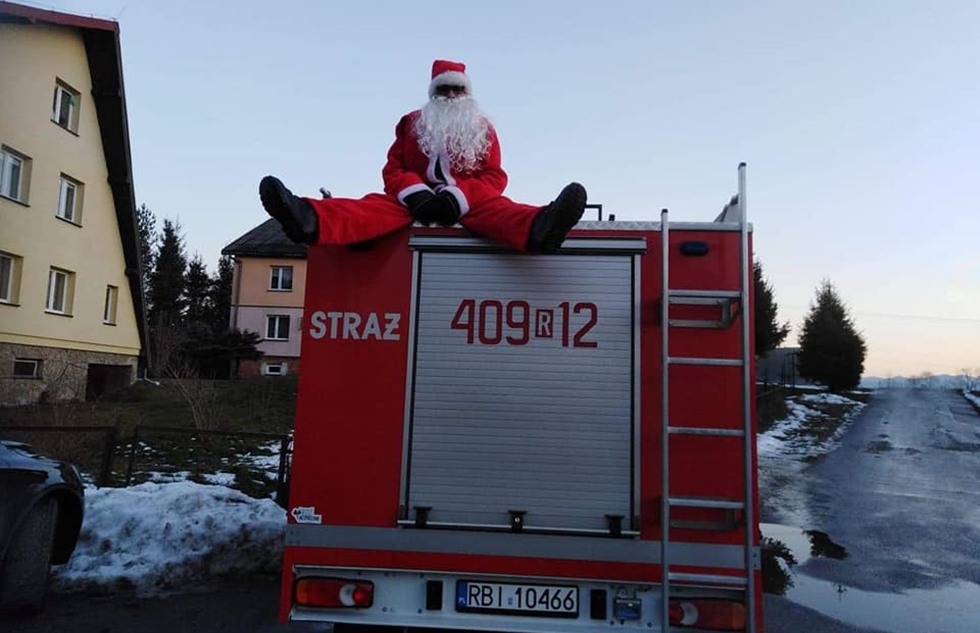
{"x":952,"y":609}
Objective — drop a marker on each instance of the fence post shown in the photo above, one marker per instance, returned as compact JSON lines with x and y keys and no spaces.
{"x":282,"y":492}
{"x":108,"y":455}
{"x":132,"y":455}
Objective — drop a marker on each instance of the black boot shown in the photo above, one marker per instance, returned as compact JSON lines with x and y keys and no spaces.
{"x":296,"y":215}
{"x":552,"y":223}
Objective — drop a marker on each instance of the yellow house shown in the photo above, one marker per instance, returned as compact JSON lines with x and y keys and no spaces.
{"x":72,"y":322}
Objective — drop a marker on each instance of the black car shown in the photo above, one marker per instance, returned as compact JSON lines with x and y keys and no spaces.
{"x":41,"y":505}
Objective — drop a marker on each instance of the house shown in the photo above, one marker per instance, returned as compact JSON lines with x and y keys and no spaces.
{"x":72,"y":321}
{"x":267,"y":296}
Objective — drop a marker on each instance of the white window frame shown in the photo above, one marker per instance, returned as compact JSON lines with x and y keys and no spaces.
{"x":11,"y":187}
{"x":276,"y":278}
{"x":37,"y":368}
{"x":59,"y":279}
{"x":277,"y":319}
{"x":111,"y":302}
{"x":63,"y":92}
{"x":73,"y":212}
{"x":274,"y":369}
{"x":7,"y":288}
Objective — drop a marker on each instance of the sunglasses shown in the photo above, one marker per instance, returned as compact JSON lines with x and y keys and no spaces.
{"x":445,"y":91}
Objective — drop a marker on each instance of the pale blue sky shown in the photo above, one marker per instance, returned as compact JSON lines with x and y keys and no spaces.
{"x":858,"y":120}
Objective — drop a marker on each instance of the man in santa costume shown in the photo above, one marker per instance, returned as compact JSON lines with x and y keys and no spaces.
{"x":443,"y":168}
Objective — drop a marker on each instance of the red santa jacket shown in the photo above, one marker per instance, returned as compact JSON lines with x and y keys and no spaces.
{"x":408,"y":170}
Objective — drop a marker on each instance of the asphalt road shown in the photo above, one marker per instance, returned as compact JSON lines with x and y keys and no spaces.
{"x":901,"y":495}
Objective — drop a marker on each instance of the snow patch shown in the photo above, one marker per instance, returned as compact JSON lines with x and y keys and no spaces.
{"x":159,"y":536}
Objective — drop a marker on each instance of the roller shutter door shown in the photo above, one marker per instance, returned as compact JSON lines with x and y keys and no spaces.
{"x":522,"y":395}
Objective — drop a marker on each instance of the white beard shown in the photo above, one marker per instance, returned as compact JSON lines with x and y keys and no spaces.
{"x":456,"y":127}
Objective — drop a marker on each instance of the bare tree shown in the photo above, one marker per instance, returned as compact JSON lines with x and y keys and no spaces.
{"x":201,"y":395}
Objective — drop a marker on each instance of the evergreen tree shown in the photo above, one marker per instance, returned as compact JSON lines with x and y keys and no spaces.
{"x":769,"y":334}
{"x":148,"y":237}
{"x":197,"y":292}
{"x":217,"y":355}
{"x":220,"y":306}
{"x":167,"y":283}
{"x":832,"y":352}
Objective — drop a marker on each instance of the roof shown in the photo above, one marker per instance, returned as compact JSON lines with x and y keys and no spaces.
{"x":101,"y":38}
{"x":265,"y":240}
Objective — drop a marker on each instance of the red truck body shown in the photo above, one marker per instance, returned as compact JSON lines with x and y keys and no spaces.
{"x":479,"y":438}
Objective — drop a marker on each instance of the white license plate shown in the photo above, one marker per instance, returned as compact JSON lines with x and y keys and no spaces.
{"x":560,"y":601}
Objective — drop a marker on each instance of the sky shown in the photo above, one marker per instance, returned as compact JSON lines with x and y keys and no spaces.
{"x":858,"y":122}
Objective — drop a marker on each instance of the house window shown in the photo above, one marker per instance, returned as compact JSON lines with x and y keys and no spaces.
{"x":60,"y":286}
{"x":70,"y":200}
{"x":273,"y":369}
{"x":15,"y":171}
{"x":109,"y":311}
{"x":9,"y":277}
{"x":282,"y":278}
{"x":27,"y":368}
{"x":277,"y":327}
{"x":64,"y":110}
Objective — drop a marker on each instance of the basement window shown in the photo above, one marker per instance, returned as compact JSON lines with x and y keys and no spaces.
{"x":27,"y":368}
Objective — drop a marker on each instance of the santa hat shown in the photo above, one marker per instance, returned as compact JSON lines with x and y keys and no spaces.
{"x":448,"y":73}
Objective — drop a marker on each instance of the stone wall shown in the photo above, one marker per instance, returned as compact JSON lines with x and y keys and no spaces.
{"x":63,"y":373}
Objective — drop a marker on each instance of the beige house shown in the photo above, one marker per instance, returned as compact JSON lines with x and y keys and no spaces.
{"x":267,"y":296}
{"x":72,"y":324}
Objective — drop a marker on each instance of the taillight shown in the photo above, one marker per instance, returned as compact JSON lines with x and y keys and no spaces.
{"x":714,"y":615}
{"x":333,"y":593}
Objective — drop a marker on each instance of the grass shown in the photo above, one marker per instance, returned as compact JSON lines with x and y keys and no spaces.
{"x":248,"y":404}
{"x":771,"y":406}
{"x":252,"y":405}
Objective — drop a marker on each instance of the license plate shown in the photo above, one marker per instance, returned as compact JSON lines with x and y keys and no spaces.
{"x":559,"y":601}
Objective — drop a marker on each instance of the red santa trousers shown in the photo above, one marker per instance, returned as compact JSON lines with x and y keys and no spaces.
{"x":349,"y":221}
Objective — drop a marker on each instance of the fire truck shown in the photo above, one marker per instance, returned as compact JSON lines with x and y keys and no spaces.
{"x":498,"y":441}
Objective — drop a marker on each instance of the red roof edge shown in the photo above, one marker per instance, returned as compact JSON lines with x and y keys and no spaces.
{"x":56,"y":17}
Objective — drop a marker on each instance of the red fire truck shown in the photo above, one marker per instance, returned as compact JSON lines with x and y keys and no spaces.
{"x":491,"y":440}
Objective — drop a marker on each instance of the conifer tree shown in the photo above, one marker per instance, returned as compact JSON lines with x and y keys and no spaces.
{"x":148,"y":238}
{"x":832,"y":352}
{"x":769,"y":333}
{"x":197,"y":292}
{"x":167,"y":283}
{"x":220,"y":306}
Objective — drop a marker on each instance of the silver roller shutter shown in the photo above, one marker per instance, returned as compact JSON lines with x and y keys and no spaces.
{"x":544,"y":427}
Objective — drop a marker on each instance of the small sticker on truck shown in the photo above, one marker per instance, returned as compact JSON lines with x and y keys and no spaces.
{"x":306,"y":514}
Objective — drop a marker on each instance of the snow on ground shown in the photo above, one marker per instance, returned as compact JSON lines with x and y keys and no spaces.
{"x":972,"y":397}
{"x":159,"y":536}
{"x":171,"y":533}
{"x":785,"y":450}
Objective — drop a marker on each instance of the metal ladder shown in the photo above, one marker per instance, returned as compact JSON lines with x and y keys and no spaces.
{"x":725,"y":300}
